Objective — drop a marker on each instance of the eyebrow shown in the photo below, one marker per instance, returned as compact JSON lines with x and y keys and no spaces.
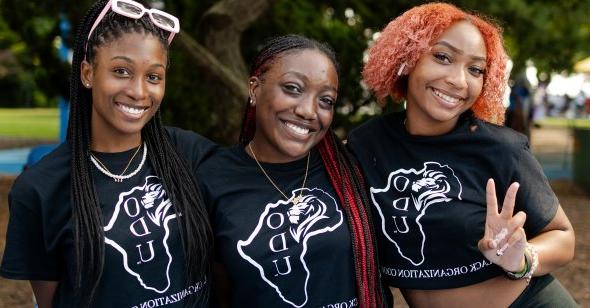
{"x":128,"y":60}
{"x":457,"y":50}
{"x":304,"y":77}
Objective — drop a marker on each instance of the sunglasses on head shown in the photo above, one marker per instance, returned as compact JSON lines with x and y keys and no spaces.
{"x":136,"y":10}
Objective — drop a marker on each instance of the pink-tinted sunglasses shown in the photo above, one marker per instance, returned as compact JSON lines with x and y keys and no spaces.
{"x":136,"y":10}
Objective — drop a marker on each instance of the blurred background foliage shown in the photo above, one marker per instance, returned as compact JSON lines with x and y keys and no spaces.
{"x":551,"y":34}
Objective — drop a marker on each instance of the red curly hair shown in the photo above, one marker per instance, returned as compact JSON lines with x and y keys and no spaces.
{"x":406,"y":38}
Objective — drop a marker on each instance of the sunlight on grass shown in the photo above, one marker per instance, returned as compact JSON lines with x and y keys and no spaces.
{"x":563,"y":122}
{"x":38,"y":123}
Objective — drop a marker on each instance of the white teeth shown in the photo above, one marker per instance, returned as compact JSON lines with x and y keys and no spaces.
{"x":131,"y":110}
{"x":447,"y":98}
{"x":298,"y":129}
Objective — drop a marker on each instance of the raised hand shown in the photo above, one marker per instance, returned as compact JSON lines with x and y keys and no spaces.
{"x":504,"y":239}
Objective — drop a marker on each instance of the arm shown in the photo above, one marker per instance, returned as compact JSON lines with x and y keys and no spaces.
{"x":548,"y":228}
{"x":44,"y":292}
{"x":555,"y":244}
{"x":221,"y":285}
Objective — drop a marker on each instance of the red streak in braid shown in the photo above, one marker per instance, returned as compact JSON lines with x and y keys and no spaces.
{"x":248,"y":124}
{"x":337,"y":180}
{"x":363,"y":245}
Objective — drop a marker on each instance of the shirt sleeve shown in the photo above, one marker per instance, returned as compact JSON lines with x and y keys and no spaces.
{"x":26,"y":255}
{"x":191,"y":146}
{"x":535,"y":196}
{"x":351,"y":144}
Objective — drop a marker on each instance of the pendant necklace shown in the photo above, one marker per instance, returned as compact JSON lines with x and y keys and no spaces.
{"x":120,"y":177}
{"x":295,"y":200}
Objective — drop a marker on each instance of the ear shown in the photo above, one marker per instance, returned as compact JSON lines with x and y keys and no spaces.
{"x":86,"y":74}
{"x":253,"y":86}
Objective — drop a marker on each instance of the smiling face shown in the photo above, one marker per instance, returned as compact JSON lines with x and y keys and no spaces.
{"x":127,"y":78}
{"x":446,"y":80}
{"x":295,"y":101}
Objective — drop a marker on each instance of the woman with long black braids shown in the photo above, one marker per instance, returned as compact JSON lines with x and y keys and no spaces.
{"x":287,"y":202}
{"x":113,"y":217}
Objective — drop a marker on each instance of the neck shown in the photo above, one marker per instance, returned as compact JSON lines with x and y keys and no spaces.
{"x":113,"y":143}
{"x":114,"y":147}
{"x":416,"y":124}
{"x":268,"y":154}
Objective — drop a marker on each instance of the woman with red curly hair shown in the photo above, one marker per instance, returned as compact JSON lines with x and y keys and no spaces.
{"x":442,"y":239}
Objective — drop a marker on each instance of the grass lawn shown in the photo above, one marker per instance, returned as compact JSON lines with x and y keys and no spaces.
{"x":563,"y":122}
{"x":38,"y":123}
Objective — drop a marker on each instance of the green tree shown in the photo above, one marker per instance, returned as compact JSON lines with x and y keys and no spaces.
{"x":207,"y":80}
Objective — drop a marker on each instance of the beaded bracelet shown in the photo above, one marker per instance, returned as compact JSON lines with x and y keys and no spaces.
{"x":534,"y":263}
{"x":519,"y":275}
{"x":531,"y":261}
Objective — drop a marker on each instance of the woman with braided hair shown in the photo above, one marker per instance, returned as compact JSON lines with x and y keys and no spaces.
{"x":443,"y":241}
{"x":287,"y":203}
{"x":113,"y":217}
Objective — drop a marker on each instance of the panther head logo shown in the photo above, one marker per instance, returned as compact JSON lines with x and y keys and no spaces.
{"x":433,"y":187}
{"x":305,"y":214}
{"x":155,"y":195}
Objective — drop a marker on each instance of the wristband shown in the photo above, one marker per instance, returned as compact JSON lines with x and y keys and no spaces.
{"x":531,"y":262}
{"x":521,"y":274}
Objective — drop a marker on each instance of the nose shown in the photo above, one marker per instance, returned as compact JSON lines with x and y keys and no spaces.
{"x":457,"y":77}
{"x":306,"y":107}
{"x":137,"y":89}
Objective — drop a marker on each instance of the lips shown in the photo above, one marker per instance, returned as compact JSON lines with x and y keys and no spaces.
{"x":450,"y":100}
{"x":297,"y":129}
{"x":131,"y":111}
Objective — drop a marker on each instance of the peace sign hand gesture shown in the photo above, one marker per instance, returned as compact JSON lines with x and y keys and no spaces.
{"x":504,"y":240}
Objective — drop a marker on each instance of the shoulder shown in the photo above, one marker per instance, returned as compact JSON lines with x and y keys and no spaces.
{"x":52,"y":171}
{"x":189,"y":144}
{"x":369,"y":126}
{"x":220,"y":172}
{"x":503,"y":136}
{"x":180,"y":136}
{"x":222,"y":159}
{"x":373,"y":132}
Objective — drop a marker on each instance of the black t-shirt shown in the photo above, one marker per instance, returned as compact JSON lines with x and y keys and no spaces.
{"x":428,"y":196}
{"x":144,"y":264}
{"x":278,"y":254}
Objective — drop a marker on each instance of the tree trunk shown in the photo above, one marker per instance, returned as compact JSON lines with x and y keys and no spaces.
{"x":215,"y":68}
{"x":222,"y":27}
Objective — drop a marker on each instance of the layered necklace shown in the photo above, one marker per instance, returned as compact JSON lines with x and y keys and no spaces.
{"x":295,"y":200}
{"x":122,"y":176}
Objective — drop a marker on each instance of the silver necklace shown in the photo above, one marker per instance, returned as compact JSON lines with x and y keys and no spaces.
{"x":119,"y":177}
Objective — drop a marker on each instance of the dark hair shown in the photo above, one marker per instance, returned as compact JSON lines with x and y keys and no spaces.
{"x":181,"y":187}
{"x":344,"y":174}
